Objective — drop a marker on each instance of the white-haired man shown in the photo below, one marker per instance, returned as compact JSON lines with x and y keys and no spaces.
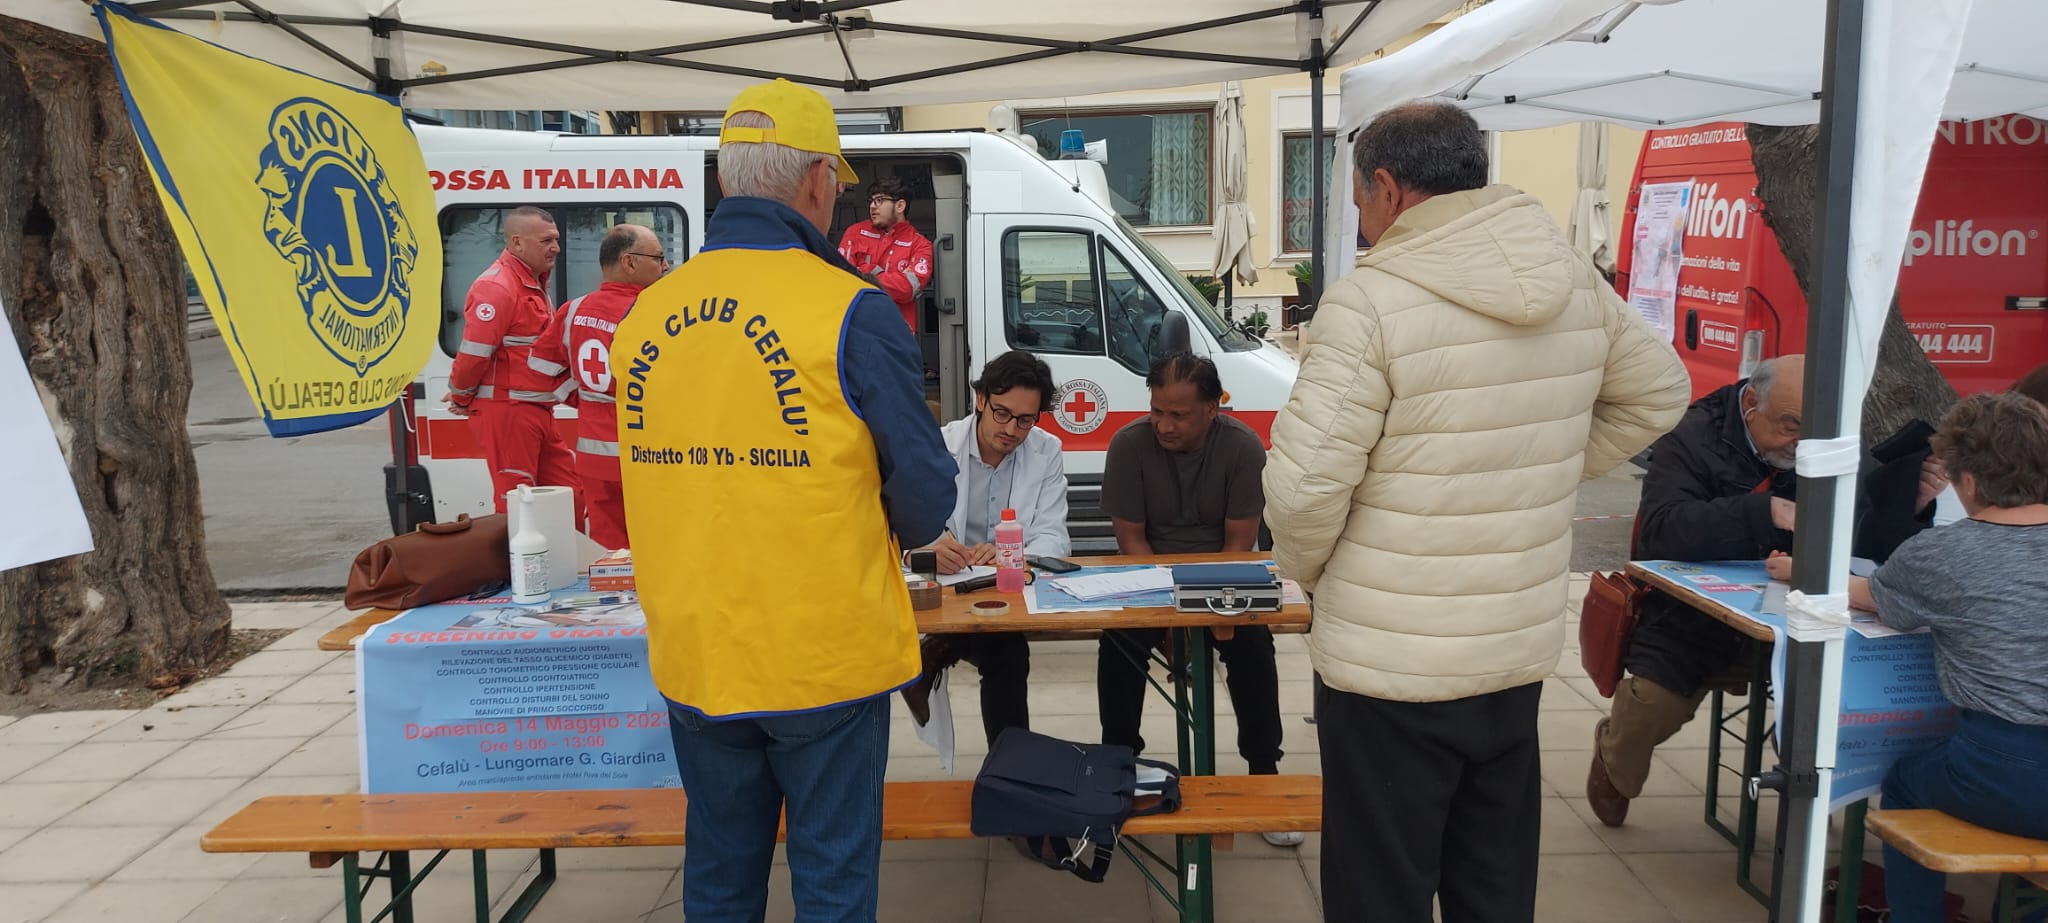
{"x":777,"y":455}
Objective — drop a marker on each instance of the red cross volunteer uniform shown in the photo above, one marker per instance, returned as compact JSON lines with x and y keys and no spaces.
{"x":899,"y":258}
{"x":578,"y":344}
{"x":510,"y":403}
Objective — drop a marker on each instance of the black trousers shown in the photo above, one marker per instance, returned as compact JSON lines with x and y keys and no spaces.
{"x":1254,"y":681}
{"x":1430,"y":799}
{"x":1004,"y":659}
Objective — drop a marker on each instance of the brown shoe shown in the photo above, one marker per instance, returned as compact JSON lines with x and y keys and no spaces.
{"x":938,"y":655}
{"x":1609,"y":804}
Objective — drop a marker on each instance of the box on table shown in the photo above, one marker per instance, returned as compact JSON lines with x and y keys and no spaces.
{"x":614,"y":571}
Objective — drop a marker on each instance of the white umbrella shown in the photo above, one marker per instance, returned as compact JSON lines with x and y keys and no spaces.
{"x":1234,"y":224}
{"x":1592,"y":226}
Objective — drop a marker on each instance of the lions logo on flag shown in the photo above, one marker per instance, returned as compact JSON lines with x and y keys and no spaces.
{"x":335,"y":216}
{"x":298,"y":205}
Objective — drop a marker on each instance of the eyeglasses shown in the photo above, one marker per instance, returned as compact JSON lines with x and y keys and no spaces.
{"x":1004,"y":417}
{"x":663,"y":257}
{"x":1786,"y":424}
{"x":881,"y":200}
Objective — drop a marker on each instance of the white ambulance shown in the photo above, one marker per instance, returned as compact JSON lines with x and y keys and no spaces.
{"x":1029,"y":254}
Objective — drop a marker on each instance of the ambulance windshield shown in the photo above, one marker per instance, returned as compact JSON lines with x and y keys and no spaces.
{"x":1231,"y":338}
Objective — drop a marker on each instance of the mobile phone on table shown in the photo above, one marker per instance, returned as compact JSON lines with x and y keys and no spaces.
{"x":1053,"y":565}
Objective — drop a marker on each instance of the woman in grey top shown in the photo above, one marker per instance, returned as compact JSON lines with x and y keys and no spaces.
{"x":1980,"y":586}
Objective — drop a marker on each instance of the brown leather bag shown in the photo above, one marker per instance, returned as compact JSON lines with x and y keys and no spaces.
{"x":1607,"y":620}
{"x":438,"y":561}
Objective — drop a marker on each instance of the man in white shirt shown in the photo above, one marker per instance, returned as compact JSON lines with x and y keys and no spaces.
{"x":1006,"y":462}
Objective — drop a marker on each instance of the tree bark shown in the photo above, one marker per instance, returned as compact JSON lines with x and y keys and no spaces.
{"x":90,"y":278}
{"x":1905,"y":385}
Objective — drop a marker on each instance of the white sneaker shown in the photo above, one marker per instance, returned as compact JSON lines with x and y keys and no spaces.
{"x":1290,"y":838}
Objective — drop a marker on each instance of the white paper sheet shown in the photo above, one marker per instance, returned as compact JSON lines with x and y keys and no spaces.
{"x":45,"y":520}
{"x":938,"y":732}
{"x":1098,"y":587}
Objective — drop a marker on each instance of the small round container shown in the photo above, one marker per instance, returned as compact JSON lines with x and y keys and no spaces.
{"x":990,"y":607}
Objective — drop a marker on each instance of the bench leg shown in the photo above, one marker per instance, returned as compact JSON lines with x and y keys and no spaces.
{"x":1195,"y":852}
{"x":401,"y":886}
{"x":1753,"y":740}
{"x":480,"y":878}
{"x":1849,"y":867}
{"x":2018,"y":899}
{"x":351,"y":888}
{"x":1754,"y":715}
{"x":530,"y":898}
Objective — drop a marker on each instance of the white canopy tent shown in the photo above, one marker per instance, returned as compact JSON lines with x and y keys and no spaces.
{"x":696,"y":54}
{"x":1895,"y":68}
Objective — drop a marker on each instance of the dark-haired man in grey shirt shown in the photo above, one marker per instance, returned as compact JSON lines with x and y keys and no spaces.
{"x":1185,"y":480}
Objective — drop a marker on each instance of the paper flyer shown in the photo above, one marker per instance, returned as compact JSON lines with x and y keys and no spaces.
{"x":1659,"y":254}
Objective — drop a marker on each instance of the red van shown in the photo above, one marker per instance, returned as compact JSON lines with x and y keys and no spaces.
{"x":1974,"y":284}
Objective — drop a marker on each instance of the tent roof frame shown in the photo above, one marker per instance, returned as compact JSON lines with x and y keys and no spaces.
{"x":796,"y":19}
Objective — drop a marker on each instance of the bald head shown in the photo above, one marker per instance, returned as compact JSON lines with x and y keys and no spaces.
{"x":531,"y":236}
{"x":631,"y":254}
{"x":1773,"y":406}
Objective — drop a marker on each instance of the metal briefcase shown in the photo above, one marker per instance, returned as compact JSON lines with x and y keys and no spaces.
{"x":1225,"y":589}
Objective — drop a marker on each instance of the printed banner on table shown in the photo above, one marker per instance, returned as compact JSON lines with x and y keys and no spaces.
{"x":1891,"y":703}
{"x":305,"y":212}
{"x":491,"y":696}
{"x":1659,"y":249}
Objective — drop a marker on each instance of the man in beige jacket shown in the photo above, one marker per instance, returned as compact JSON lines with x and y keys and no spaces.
{"x":1456,"y":389}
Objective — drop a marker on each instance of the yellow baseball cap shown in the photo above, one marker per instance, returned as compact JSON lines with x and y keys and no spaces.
{"x":803,"y":120}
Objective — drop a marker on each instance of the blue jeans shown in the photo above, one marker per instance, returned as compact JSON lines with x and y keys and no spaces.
{"x":827,"y":767}
{"x":1991,"y":773}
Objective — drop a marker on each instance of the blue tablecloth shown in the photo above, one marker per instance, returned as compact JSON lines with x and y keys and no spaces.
{"x":1891,"y":702}
{"x":489,"y":696}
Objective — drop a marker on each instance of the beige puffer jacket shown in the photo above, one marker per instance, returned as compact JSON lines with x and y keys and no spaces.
{"x":1454,"y":391}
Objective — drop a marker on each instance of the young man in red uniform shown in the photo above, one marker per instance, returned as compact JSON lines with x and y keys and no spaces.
{"x":887,"y":250}
{"x":509,"y":405}
{"x":578,"y":343}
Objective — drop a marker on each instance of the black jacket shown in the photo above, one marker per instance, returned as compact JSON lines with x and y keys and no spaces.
{"x":1699,"y":499}
{"x":1700,"y":502}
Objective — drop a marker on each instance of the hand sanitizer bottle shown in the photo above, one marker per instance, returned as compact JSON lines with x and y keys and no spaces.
{"x":1009,"y":554}
{"x":529,"y":555}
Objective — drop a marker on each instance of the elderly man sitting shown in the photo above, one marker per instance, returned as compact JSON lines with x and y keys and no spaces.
{"x":1720,"y":487}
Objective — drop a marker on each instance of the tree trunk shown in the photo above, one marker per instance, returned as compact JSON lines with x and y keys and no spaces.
{"x":1905,"y":386}
{"x":90,"y":278}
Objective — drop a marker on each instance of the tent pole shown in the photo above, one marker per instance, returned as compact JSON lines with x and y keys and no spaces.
{"x":1315,"y":134}
{"x":1821,"y":539}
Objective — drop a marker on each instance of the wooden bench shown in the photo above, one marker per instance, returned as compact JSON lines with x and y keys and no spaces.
{"x":334,"y":829}
{"x":1945,"y":844}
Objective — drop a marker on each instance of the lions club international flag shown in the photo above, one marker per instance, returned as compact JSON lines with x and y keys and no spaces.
{"x":305,"y":212}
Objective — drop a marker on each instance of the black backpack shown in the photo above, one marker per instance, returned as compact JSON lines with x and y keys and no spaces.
{"x":1036,"y":786}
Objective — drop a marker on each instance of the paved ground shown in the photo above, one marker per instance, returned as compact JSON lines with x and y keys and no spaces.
{"x":101,"y":814}
{"x":280,"y":513}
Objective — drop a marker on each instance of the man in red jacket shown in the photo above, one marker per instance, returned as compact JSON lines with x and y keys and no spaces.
{"x":578,"y":343}
{"x":509,"y":405}
{"x":887,"y":250}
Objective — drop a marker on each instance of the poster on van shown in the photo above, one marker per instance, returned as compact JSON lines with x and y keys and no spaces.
{"x":1660,"y":252}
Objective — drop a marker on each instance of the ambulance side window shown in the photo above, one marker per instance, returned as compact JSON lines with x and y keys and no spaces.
{"x":472,"y":237}
{"x":1051,"y":299}
{"x":1135,"y":314}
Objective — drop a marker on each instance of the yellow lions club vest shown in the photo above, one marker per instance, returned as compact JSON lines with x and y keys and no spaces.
{"x":761,"y":550}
